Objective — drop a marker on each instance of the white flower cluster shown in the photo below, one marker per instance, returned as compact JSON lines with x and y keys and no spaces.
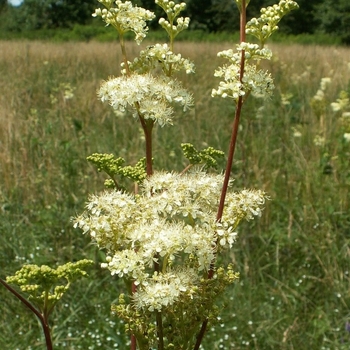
{"x":165,"y":289}
{"x":251,"y":52}
{"x":266,"y":24}
{"x":172,"y":222}
{"x":161,"y":55}
{"x":125,"y":17}
{"x":146,"y":96}
{"x":319,"y":96}
{"x":231,"y":86}
{"x":258,"y":82}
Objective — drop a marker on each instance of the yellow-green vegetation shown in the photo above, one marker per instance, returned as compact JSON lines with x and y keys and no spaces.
{"x":294,"y":263}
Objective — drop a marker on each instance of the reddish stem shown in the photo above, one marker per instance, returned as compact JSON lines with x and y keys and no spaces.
{"x":43,"y":320}
{"x":147,"y":126}
{"x":133,"y":343}
{"x":231,"y":153}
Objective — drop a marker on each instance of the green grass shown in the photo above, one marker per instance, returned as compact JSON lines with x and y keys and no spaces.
{"x":294,"y":262}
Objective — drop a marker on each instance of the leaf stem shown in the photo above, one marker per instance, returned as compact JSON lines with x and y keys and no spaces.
{"x":43,"y":320}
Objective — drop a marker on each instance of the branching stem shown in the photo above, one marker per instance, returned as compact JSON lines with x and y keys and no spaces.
{"x":43,"y":320}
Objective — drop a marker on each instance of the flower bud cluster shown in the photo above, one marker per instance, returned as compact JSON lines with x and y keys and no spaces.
{"x":125,"y":17}
{"x":160,"y":55}
{"x":172,"y":222}
{"x":45,"y":283}
{"x":173,"y":10}
{"x":266,"y":24}
{"x":146,"y":96}
{"x":172,"y":29}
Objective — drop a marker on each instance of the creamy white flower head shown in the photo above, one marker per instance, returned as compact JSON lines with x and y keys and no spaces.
{"x":127,"y":262}
{"x":243,"y":205}
{"x":324,"y":83}
{"x":192,"y":195}
{"x":231,"y":86}
{"x":150,"y":96}
{"x":319,"y":96}
{"x":173,"y":218}
{"x":125,"y":17}
{"x":107,"y":217}
{"x":165,"y":289}
{"x":258,"y":82}
{"x":347,"y":136}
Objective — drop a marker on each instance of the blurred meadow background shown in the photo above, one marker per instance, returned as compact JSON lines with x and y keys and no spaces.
{"x":294,"y":263}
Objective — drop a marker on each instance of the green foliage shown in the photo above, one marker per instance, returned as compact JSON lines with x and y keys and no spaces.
{"x":334,"y":17}
{"x":113,"y":166}
{"x":48,"y":14}
{"x":208,"y":157}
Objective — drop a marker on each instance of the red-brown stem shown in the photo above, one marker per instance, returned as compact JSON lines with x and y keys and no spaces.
{"x":133,"y":343}
{"x":42,"y":318}
{"x":147,"y":126}
{"x":231,"y":153}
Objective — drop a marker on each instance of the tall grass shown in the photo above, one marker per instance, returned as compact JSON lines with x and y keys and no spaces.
{"x":294,"y":262}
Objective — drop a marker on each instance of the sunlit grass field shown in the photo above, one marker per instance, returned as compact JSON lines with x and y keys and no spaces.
{"x":294,"y":262}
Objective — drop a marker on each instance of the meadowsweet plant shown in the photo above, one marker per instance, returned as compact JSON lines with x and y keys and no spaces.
{"x":164,"y":237}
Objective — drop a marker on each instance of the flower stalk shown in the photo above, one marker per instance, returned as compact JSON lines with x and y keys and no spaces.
{"x":230,"y":156}
{"x":43,"y":317}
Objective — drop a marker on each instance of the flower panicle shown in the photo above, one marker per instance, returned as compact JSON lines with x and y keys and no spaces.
{"x":146,"y":95}
{"x":173,"y":215}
